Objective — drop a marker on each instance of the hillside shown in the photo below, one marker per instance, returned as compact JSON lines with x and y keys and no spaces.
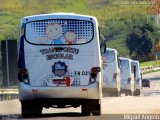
{"x":115,"y":19}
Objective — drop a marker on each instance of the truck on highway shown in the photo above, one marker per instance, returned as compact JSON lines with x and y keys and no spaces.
{"x":127,"y":77}
{"x":59,"y":63}
{"x":111,"y":73}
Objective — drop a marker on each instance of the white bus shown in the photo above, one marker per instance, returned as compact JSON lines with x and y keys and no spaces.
{"x":111,"y":73}
{"x":59,"y":63}
{"x":137,"y":77}
{"x":127,"y":76}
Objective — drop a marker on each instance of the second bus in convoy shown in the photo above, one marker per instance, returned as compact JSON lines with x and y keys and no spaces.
{"x":111,"y":73}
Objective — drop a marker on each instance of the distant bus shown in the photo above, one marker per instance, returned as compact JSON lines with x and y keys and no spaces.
{"x":59,"y":63}
{"x":137,"y":77}
{"x":111,"y":73}
{"x":127,"y":76}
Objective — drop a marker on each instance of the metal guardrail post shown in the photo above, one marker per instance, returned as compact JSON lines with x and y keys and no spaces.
{"x":1,"y":97}
{"x":150,"y":68}
{"x":8,"y":95}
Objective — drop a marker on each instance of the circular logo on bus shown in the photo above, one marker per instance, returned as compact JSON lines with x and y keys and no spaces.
{"x":59,"y":69}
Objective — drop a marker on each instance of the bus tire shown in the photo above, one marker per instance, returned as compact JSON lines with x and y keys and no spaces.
{"x":25,"y":109}
{"x":119,"y":93}
{"x":137,"y":92}
{"x":30,"y":109}
{"x":36,"y":111}
{"x":85,"y":109}
{"x":97,"y":110}
{"x":91,"y":106}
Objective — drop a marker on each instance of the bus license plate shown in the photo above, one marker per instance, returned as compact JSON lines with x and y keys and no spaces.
{"x":59,"y":81}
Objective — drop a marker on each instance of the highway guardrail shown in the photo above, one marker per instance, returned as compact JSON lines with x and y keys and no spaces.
{"x":148,"y":69}
{"x":8,"y":94}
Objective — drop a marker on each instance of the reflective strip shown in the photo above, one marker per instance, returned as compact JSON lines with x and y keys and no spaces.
{"x":84,"y":89}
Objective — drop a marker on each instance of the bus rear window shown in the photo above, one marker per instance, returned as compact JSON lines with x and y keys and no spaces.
{"x":124,"y":64}
{"x":110,"y":56}
{"x":59,"y":31}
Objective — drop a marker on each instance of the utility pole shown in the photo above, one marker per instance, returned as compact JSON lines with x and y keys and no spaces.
{"x":7,"y":63}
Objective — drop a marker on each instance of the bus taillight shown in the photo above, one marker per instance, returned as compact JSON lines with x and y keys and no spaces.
{"x":129,"y":80}
{"x":22,"y":70}
{"x":115,"y":76}
{"x":23,"y":76}
{"x":94,"y":71}
{"x":93,"y":75}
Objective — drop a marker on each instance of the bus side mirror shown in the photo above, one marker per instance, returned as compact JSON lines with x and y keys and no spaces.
{"x":141,"y":76}
{"x":103,"y":48}
{"x":119,"y":62}
{"x":134,"y":68}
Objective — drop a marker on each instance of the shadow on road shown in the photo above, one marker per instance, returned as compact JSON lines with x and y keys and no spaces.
{"x":45,"y":115}
{"x":154,"y":78}
{"x":67,"y":116}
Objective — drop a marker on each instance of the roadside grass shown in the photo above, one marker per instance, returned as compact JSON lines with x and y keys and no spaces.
{"x":119,"y":45}
{"x":118,"y":17}
{"x":149,"y":63}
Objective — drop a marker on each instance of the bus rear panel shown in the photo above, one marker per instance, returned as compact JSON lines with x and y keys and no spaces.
{"x":59,"y":62}
{"x":137,"y":77}
{"x":127,"y":77}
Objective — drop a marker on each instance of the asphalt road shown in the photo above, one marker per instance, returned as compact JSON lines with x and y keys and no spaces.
{"x":154,"y":84}
{"x":113,"y":108}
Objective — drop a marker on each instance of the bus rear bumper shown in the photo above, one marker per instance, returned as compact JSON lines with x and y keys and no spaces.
{"x":126,"y":87}
{"x":26,"y":92}
{"x":110,"y":92}
{"x":126,"y":91}
{"x":137,"y":92}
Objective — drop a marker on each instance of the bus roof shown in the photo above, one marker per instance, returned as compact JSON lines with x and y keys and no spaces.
{"x":135,"y":62}
{"x":111,"y":49}
{"x":57,"y":16}
{"x":122,"y":58}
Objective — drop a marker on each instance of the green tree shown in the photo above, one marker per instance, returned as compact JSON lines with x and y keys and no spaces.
{"x":145,"y":44}
{"x":133,"y":40}
{"x":139,"y":41}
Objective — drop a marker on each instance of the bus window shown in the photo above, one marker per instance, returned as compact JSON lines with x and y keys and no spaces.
{"x":59,"y":31}
{"x":119,"y":61}
{"x":134,"y":70}
{"x":124,"y":64}
{"x":110,"y":56}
